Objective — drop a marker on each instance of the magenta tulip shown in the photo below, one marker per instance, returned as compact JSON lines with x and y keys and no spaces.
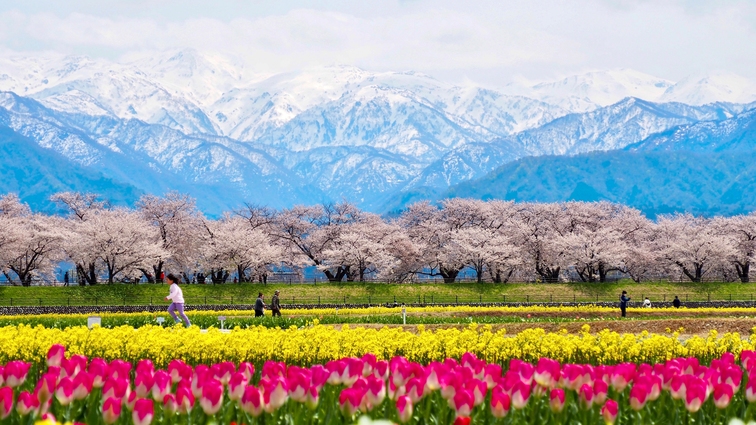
{"x":144,"y":411}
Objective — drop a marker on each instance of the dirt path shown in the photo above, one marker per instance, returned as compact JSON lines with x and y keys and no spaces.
{"x":700,"y":327}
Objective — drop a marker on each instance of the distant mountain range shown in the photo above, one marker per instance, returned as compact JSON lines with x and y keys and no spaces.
{"x":204,"y":125}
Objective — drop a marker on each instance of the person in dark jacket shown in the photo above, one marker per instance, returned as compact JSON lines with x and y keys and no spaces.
{"x":259,"y":305}
{"x":676,"y":302}
{"x":623,"y":303}
{"x":275,"y":305}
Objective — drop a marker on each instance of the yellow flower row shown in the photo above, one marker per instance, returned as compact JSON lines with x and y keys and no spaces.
{"x":315,"y":312}
{"x":318,"y":343}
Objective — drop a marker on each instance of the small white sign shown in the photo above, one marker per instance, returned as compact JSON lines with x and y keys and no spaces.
{"x":160,"y":320}
{"x":94,"y":320}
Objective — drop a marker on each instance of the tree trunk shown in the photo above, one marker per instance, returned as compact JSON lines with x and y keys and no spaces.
{"x":158,"y":268}
{"x":743,"y":270}
{"x":449,"y":275}
{"x":548,"y":274}
{"x":147,"y":275}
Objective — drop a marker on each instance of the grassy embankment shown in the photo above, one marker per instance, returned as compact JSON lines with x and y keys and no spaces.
{"x":375,"y":293}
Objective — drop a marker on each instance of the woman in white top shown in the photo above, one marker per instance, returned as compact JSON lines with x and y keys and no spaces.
{"x":176,"y":296}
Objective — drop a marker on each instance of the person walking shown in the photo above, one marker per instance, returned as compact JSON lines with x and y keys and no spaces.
{"x":647,"y":303}
{"x":275,"y":305}
{"x":65,"y":279}
{"x":259,"y":305}
{"x":176,"y":296}
{"x":676,"y":302}
{"x":623,"y":303}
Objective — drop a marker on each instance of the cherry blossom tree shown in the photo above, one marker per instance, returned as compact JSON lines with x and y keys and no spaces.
{"x":120,"y":240}
{"x":306,"y":233}
{"x":693,"y":245}
{"x":179,"y":225}
{"x":599,"y":237}
{"x":232,"y":244}
{"x":741,"y":231}
{"x":38,"y":251}
{"x":80,"y":207}
{"x":29,"y":243}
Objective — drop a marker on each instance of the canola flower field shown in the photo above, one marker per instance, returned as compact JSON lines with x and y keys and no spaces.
{"x":378,"y":315}
{"x":320,"y":343}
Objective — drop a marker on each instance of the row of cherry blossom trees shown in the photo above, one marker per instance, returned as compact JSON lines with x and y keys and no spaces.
{"x":498,"y":241}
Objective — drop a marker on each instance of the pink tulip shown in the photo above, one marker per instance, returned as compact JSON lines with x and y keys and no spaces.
{"x":722,"y":395}
{"x":312,"y":398}
{"x":750,"y":388}
{"x":119,"y":369}
{"x":450,"y":383}
{"x":179,"y":371}
{"x":732,"y":376}
{"x":319,"y":376}
{"x":622,"y":375}
{"x":404,"y":408}
{"x":15,"y":373}
{"x":368,"y":363}
{"x":248,"y":369}
{"x":115,"y":388}
{"x":600,"y":391}
{"x":26,"y":403}
{"x":638,"y":396}
{"x":547,"y":372}
{"x":161,"y":385}
{"x":350,"y":400}
{"x":143,"y":412}
{"x":143,"y":384}
{"x":432,"y":374}
{"x":111,"y":410}
{"x":251,"y":401}
{"x":145,"y":366}
{"x":479,"y":389}
{"x":586,"y":396}
{"x":82,"y":385}
{"x":336,"y":370}
{"x":520,"y":395}
{"x":416,"y":389}
{"x":381,"y":370}
{"x":275,"y":393}
{"x":695,"y":395}
{"x":98,"y":370}
{"x":212,"y":396}
{"x":131,"y":400}
{"x":376,"y":390}
{"x":70,"y":367}
{"x":184,"y":399}
{"x":492,"y":375}
{"x":610,"y":411}
{"x":728,"y":358}
{"x":500,"y":403}
{"x":272,"y":370}
{"x":170,"y":406}
{"x":463,"y":402}
{"x":6,"y":402}
{"x":556,"y":400}
{"x":64,"y":393}
{"x":46,"y":386}
{"x":224,"y":371}
{"x":201,"y":374}
{"x":352,"y":371}
{"x":748,"y":359}
{"x":236,"y":386}
{"x":55,"y":355}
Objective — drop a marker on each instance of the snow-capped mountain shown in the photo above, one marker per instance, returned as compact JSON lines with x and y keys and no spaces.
{"x":585,"y":92}
{"x":209,"y":126}
{"x":708,"y":88}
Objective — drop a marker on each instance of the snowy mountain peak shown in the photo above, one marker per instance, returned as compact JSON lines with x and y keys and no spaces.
{"x":585,"y":92}
{"x":701,"y":89}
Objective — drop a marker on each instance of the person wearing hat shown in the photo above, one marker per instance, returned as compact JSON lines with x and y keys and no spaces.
{"x":275,"y":305}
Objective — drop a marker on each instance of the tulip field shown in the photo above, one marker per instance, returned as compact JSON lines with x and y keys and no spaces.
{"x":73,"y":388}
{"x":133,"y":370}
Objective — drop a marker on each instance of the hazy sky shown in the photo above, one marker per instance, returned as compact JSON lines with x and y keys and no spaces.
{"x":490,"y":42}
